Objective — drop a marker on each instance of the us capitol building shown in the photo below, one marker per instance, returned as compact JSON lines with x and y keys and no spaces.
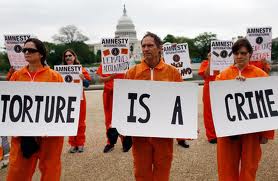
{"x":125,"y":28}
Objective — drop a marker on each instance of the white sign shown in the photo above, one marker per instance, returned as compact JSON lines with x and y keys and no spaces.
{"x":178,"y":56}
{"x":39,"y":108}
{"x":155,"y":108}
{"x":244,"y":107}
{"x":261,"y":41}
{"x":70,"y":73}
{"x":14,"y":45}
{"x":115,"y":55}
{"x":221,"y":55}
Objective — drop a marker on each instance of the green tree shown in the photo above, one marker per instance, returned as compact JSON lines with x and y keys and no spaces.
{"x":202,"y":41}
{"x":274,"y":51}
{"x":169,"y":38}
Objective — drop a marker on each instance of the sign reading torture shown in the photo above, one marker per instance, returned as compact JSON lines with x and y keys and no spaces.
{"x":244,"y":107}
{"x":115,"y":55}
{"x":155,"y":108}
{"x":178,"y":56}
{"x":39,"y":109}
{"x":221,"y":55}
{"x":14,"y":46}
{"x":261,"y":41}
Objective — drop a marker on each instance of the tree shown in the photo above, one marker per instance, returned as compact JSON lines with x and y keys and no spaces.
{"x":202,"y":41}
{"x":69,"y":34}
{"x":169,"y":38}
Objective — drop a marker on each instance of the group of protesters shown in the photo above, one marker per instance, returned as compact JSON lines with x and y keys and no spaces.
{"x":238,"y":156}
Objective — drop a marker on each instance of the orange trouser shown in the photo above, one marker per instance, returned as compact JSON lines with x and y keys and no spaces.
{"x":152,"y":158}
{"x":238,"y":160}
{"x":49,"y":155}
{"x":79,"y":139}
{"x":107,"y":107}
{"x":208,"y":120}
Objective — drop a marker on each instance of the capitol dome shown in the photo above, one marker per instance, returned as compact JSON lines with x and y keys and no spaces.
{"x":125,"y":27}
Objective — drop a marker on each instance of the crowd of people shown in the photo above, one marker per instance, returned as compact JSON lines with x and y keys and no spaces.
{"x":237,"y":156}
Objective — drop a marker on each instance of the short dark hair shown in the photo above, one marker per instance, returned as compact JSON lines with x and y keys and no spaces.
{"x":243,"y":42}
{"x":41,"y":48}
{"x":157,"y":40}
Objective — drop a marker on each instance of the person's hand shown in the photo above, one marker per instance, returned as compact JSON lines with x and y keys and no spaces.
{"x":263,"y":140}
{"x":240,"y":78}
{"x":81,"y":76}
{"x":112,"y":76}
{"x":12,"y":70}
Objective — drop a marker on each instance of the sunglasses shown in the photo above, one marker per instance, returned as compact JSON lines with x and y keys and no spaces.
{"x":30,"y":50}
{"x":68,"y":56}
{"x":241,"y":53}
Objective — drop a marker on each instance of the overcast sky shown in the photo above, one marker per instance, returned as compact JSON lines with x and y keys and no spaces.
{"x":98,"y":18}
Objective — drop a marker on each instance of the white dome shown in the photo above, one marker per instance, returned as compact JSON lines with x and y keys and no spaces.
{"x":125,"y":27}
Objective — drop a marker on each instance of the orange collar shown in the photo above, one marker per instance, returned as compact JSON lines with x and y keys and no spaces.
{"x":160,"y":65}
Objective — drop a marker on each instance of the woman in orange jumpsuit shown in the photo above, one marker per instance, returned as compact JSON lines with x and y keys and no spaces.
{"x":204,"y":71}
{"x":26,"y":151}
{"x":77,"y":142}
{"x":238,"y":156}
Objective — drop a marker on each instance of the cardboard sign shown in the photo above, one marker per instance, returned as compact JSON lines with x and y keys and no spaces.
{"x":14,"y":45}
{"x":70,"y":73}
{"x":39,"y":108}
{"x":244,"y":107}
{"x":115,"y":55}
{"x":261,"y":41}
{"x":221,"y":55}
{"x":178,"y":56}
{"x":155,"y":108}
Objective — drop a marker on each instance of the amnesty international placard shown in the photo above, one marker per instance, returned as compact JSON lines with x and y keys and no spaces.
{"x":14,"y":45}
{"x":70,"y":73}
{"x":178,"y":56}
{"x":261,"y":41}
{"x":115,"y":55}
{"x":221,"y":55}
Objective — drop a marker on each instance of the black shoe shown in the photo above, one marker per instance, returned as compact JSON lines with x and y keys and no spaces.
{"x":80,"y":149}
{"x":183,"y":144}
{"x":108,"y":148}
{"x":213,"y":141}
{"x":127,"y":143}
{"x":73,"y":149}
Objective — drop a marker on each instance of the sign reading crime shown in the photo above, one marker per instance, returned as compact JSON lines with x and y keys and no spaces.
{"x":39,"y":108}
{"x":115,"y":55}
{"x":14,"y":45}
{"x":244,"y":107}
{"x":178,"y":56}
{"x":261,"y":41}
{"x":221,"y":55}
{"x":155,"y":108}
{"x":70,"y":73}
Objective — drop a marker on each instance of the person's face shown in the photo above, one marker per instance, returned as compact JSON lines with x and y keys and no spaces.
{"x":242,"y":57}
{"x":31,"y":53}
{"x":150,"y":51}
{"x":69,"y":58}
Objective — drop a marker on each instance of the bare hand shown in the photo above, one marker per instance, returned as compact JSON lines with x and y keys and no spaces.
{"x":240,"y":78}
{"x":81,"y":76}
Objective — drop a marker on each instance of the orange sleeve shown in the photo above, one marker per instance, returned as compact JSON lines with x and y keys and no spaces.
{"x":177,"y":76}
{"x":203,"y":68}
{"x":86,"y":74}
{"x":13,"y":77}
{"x":268,"y":134}
{"x":99,"y":70}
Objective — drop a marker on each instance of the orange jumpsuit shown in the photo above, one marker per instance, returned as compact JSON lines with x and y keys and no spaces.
{"x":79,"y":139}
{"x":108,"y":97}
{"x":208,"y":120}
{"x":260,"y":64}
{"x":1,"y":153}
{"x":238,"y":159}
{"x":50,"y":150}
{"x":153,"y":156}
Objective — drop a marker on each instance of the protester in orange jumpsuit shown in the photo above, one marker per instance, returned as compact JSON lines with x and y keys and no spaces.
{"x":152,"y":156}
{"x":238,"y":156}
{"x":111,"y":133}
{"x":26,"y":151}
{"x":204,"y":71}
{"x":77,"y":142}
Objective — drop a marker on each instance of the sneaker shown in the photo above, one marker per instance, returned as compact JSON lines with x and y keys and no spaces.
{"x":127,"y":143}
{"x":213,"y":141}
{"x":80,"y":149}
{"x":73,"y":149}
{"x":108,"y":148}
{"x":183,"y":144}
{"x":5,"y":161}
